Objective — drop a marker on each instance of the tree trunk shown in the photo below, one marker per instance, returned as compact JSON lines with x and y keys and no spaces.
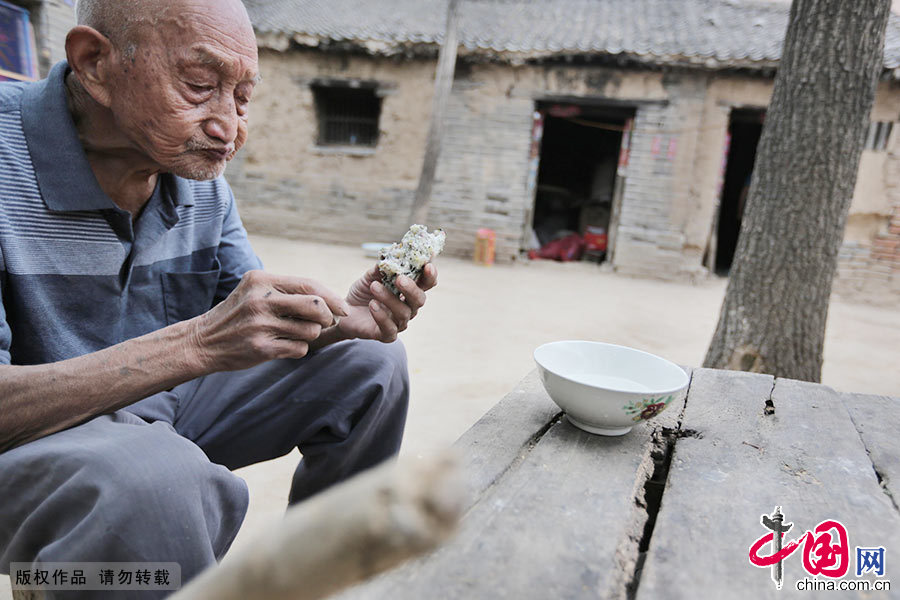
{"x":776,"y":304}
{"x":443,"y":83}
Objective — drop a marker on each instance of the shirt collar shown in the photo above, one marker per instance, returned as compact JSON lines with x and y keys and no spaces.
{"x":61,"y":167}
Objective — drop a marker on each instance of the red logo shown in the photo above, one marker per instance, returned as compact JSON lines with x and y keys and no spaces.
{"x":826,"y":549}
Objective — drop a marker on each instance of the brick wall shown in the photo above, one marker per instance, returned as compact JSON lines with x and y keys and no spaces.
{"x":646,"y":241}
{"x":483,"y":169}
{"x":651,"y":239}
{"x":871,"y":271}
{"x":287,"y":185}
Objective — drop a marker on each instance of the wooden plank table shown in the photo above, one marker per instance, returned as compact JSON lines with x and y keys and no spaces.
{"x":671,"y":509}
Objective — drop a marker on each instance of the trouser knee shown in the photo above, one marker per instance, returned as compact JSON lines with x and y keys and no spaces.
{"x":123,"y":493}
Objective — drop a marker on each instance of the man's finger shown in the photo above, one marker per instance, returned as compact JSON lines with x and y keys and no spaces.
{"x":303,"y":286}
{"x":303,"y":307}
{"x":401,"y":311}
{"x":297,"y":329}
{"x":429,"y":277}
{"x":384,"y":321}
{"x":287,"y":348}
{"x":415,"y":296}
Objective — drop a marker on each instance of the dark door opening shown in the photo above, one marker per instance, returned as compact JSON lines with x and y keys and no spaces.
{"x":576,"y":180}
{"x":744,"y":128}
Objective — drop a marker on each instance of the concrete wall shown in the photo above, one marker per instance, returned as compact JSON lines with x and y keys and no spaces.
{"x":288,"y":186}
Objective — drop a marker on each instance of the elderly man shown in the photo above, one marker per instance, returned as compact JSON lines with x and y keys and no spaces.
{"x":143,"y":354}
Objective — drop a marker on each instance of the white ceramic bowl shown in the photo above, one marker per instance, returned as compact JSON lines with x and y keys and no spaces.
{"x":605,"y":388}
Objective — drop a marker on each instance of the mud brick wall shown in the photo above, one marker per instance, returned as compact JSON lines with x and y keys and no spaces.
{"x":482,"y":174}
{"x":871,"y":271}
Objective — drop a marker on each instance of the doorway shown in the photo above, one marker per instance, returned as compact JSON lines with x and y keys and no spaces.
{"x":577,"y":177}
{"x":744,"y":130}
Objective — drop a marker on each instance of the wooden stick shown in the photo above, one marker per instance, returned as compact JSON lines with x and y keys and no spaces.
{"x":351,"y":532}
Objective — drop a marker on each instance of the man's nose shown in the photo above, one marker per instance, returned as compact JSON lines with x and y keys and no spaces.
{"x":222,"y":122}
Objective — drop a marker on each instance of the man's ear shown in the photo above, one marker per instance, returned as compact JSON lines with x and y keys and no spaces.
{"x":90,"y":55}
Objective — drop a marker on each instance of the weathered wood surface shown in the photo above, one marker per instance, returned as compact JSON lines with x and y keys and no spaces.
{"x":877,"y":418}
{"x":560,"y":513}
{"x":806,"y":456}
{"x":505,"y":433}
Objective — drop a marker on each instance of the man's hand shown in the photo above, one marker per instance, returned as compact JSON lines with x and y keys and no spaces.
{"x":266,"y":317}
{"x":376,"y":313}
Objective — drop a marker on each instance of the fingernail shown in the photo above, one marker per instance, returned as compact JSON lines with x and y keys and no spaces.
{"x":375,"y":306}
{"x":343,"y":309}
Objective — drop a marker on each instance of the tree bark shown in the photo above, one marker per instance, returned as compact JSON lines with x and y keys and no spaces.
{"x":443,"y":83}
{"x":776,"y":304}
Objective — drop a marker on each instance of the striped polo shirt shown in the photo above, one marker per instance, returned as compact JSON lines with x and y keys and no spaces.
{"x":76,"y":274}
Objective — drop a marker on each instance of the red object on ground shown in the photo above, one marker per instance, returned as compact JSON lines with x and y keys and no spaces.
{"x":564,"y":249}
{"x":595,"y":239}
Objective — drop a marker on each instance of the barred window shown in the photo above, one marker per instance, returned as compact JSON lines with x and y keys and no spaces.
{"x":348,"y":115}
{"x":878,"y":135}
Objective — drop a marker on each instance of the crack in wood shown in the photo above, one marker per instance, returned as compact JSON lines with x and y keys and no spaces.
{"x":882,"y":482}
{"x":648,"y":497}
{"x":527,"y":447}
{"x":879,"y":474}
{"x":660,"y":453}
{"x":770,"y":404}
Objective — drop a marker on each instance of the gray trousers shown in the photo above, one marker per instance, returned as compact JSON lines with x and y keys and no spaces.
{"x":153,"y":482}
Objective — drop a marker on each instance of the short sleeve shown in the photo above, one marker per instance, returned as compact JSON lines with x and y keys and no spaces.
{"x":235,"y":254}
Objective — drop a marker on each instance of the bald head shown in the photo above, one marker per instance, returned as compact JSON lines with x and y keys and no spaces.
{"x":113,"y":18}
{"x":120,"y":20}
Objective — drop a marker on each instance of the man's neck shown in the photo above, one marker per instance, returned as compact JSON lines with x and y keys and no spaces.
{"x":124,"y":174}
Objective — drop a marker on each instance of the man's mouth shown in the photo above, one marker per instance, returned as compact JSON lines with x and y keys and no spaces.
{"x":218,"y":153}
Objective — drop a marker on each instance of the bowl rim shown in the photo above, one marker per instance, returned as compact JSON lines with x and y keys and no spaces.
{"x":654,"y":392}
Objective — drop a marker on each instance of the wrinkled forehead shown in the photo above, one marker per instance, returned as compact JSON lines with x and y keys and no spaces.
{"x":217,"y":35}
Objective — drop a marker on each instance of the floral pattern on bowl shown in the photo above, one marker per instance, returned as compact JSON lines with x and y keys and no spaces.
{"x":647,"y":408}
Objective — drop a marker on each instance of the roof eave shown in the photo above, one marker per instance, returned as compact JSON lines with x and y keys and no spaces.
{"x":282,"y":41}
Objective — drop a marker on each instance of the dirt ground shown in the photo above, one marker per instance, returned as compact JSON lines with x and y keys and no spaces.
{"x":473,"y":340}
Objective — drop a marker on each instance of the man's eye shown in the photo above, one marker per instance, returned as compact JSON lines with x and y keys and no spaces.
{"x":200,"y":89}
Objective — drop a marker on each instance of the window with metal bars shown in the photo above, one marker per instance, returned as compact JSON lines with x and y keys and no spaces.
{"x":878,"y":135}
{"x":348,"y":116}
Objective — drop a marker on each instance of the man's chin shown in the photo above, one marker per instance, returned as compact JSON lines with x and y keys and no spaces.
{"x":199,"y":172}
